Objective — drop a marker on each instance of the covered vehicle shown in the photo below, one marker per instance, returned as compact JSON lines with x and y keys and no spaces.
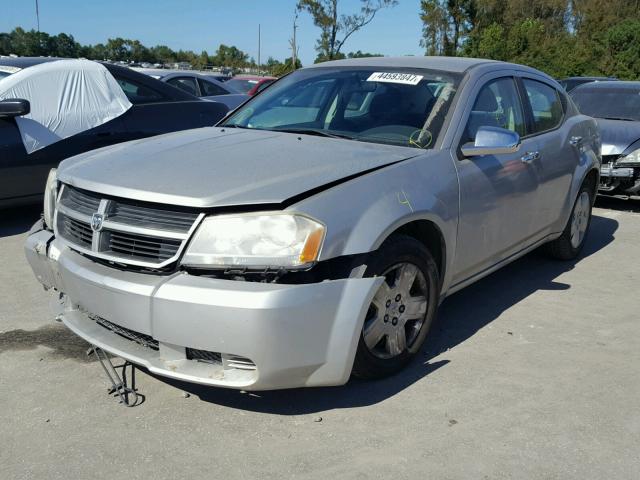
{"x":313,"y":233}
{"x":51,"y":109}
{"x":200,"y":85}
{"x":616,"y":107}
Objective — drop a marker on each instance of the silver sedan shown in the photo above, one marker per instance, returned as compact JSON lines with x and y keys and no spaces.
{"x":313,"y":234}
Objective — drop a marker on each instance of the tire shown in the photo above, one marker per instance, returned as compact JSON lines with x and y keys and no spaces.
{"x":567,"y":246}
{"x":391,"y":315}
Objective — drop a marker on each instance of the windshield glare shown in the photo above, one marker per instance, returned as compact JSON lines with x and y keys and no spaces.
{"x":622,"y":103}
{"x":400,"y":107}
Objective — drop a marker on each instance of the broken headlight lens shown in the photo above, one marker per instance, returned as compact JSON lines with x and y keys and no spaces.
{"x":50,"y":195}
{"x":633,"y":157}
{"x":256,"y":240}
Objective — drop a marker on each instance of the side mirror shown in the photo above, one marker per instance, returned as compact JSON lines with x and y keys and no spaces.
{"x":14,"y":107}
{"x":492,"y":141}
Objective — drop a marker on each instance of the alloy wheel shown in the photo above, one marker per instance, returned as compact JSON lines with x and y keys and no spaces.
{"x":397,"y":311}
{"x":580,"y":219}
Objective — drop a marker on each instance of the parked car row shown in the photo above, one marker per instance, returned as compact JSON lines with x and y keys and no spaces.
{"x":156,"y":108}
{"x":200,"y":85}
{"x":312,"y":234}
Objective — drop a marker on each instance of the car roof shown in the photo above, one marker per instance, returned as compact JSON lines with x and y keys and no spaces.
{"x":26,"y":62}
{"x":588,"y":78}
{"x":617,"y":84}
{"x":449,"y":64}
{"x":252,"y":77}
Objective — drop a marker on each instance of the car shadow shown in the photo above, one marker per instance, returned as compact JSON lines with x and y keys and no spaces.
{"x":489,"y":297}
{"x":18,"y":220}
{"x":619,"y":203}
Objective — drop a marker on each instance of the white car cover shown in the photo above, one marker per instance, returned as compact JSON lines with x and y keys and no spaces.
{"x":67,"y":97}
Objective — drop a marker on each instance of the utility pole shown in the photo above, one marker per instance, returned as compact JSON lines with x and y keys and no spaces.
{"x":294,"y":47}
{"x":259,"y":49}
{"x":38,"y":16}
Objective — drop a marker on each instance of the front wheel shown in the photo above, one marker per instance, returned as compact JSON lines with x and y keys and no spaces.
{"x":402,"y":309}
{"x":568,"y":245}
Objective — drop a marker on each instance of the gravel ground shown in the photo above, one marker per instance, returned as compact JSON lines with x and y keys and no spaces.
{"x":530,"y":373}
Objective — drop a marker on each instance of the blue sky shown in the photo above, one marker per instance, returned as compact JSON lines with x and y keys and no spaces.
{"x":204,"y":24}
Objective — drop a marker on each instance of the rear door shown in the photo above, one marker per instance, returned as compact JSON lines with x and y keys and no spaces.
{"x":498,"y":193}
{"x":558,"y":158}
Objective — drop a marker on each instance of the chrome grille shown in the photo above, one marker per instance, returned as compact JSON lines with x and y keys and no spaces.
{"x":80,"y":201}
{"x":80,"y":232}
{"x":125,"y":231}
{"x":152,"y":218}
{"x":131,"y":245}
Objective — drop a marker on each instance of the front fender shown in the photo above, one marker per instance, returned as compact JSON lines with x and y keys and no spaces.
{"x":361,"y":213}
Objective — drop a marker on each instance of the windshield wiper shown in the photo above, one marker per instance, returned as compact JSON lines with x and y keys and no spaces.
{"x":313,"y":131}
{"x":235,"y":125}
{"x":624,"y":119}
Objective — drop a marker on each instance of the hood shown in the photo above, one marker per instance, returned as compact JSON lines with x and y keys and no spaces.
{"x":617,"y":135}
{"x":217,"y":167}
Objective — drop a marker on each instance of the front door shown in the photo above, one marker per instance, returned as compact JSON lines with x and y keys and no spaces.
{"x":497,"y":192}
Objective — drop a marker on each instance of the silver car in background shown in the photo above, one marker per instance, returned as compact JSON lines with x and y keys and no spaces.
{"x":313,"y":234}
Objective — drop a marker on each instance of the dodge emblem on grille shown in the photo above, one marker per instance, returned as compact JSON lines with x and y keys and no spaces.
{"x":96,"y":222}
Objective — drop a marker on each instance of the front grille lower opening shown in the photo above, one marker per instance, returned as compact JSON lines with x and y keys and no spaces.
{"x":140,"y":338}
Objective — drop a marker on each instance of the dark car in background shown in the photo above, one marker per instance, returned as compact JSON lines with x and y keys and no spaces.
{"x":570,"y":83}
{"x":616,"y":107}
{"x":156,"y":108}
{"x":200,"y":85}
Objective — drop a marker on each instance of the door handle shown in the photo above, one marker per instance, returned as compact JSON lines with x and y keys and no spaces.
{"x":575,"y":141}
{"x":530,"y":157}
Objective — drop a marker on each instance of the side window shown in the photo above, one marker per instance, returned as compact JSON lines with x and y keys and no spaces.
{"x":186,"y":84}
{"x":210,"y":89}
{"x":138,"y":93}
{"x":497,"y":105}
{"x":546,"y":105}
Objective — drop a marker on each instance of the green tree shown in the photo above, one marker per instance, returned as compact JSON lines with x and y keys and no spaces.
{"x":446,"y":24}
{"x":360,"y":54}
{"x":336,"y":28}
{"x":622,"y":58}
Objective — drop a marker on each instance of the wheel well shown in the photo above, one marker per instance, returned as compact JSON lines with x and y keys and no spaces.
{"x":431,"y":237}
{"x":592,"y":179}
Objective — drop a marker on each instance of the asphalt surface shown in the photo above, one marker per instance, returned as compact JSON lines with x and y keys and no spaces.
{"x":531,"y":373}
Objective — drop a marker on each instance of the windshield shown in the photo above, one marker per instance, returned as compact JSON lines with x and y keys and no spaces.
{"x":613,"y":102}
{"x":397,"y":107}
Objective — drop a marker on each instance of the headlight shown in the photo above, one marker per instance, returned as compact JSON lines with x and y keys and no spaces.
{"x":50,"y":195}
{"x":260,"y":240}
{"x":633,"y":157}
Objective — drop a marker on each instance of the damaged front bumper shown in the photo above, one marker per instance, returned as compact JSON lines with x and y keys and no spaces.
{"x":247,"y":335}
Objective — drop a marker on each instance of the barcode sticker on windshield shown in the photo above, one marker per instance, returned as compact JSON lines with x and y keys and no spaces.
{"x":391,"y":77}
